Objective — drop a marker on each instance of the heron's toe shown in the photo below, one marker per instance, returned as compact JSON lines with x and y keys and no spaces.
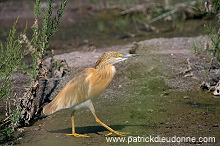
{"x":77,"y":135}
{"x":117,"y":133}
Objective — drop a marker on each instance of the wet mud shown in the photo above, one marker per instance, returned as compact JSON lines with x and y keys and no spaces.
{"x":148,"y":97}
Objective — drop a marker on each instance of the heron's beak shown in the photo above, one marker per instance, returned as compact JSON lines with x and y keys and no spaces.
{"x":124,"y":57}
{"x":129,"y":55}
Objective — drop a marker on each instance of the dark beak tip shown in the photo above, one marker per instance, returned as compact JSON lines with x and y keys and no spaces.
{"x":134,"y":55}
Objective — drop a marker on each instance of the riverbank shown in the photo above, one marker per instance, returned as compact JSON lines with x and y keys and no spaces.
{"x":150,"y":95}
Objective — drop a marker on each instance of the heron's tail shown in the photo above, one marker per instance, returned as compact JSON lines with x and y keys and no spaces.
{"x":61,"y":101}
{"x":49,"y":109}
{"x":55,"y":105}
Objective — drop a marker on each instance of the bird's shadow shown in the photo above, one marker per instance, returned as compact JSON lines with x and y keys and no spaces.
{"x":90,"y":129}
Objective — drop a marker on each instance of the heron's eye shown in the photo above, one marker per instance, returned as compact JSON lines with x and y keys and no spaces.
{"x":118,"y":55}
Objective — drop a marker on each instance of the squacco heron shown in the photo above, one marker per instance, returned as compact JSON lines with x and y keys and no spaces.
{"x":89,"y":84}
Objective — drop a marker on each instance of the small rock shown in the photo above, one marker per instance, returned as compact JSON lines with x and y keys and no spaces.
{"x":185,"y":97}
{"x":20,"y":129}
{"x":214,"y":125}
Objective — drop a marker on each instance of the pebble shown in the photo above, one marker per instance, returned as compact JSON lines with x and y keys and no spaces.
{"x":185,"y":97}
{"x":214,"y":125}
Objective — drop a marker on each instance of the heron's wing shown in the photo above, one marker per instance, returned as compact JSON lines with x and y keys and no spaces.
{"x":75,"y":92}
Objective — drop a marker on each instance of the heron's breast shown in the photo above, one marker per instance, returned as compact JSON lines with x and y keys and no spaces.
{"x":101,"y":81}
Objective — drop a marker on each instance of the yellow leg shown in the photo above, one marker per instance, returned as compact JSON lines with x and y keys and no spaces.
{"x":110,"y":129}
{"x":91,"y":107}
{"x":73,"y":128}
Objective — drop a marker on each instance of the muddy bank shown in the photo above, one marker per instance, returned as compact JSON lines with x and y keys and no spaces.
{"x":151,"y":95}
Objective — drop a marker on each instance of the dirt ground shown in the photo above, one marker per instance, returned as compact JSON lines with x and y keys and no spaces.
{"x":151,"y":95}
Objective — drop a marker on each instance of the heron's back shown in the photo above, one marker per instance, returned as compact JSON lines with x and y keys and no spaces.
{"x":75,"y":92}
{"x":88,"y":84}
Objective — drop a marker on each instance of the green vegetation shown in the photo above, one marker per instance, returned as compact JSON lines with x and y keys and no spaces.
{"x":101,"y":26}
{"x":41,"y":37}
{"x":213,"y":33}
{"x":123,"y":3}
{"x":214,"y":36}
{"x":216,"y":5}
{"x":107,"y":3}
{"x":140,"y":17}
{"x":10,"y":58}
{"x":11,"y":55}
{"x":122,"y":23}
{"x":21,"y":110}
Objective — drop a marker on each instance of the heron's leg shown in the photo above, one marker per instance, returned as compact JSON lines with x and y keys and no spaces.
{"x":73,"y":128}
{"x":91,"y":107}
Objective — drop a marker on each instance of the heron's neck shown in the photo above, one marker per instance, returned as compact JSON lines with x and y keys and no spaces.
{"x":106,"y":69}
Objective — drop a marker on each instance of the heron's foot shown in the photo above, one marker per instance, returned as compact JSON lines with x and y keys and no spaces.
{"x":77,"y":135}
{"x":117,"y":133}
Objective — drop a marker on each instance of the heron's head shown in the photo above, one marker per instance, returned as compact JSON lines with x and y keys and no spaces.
{"x":113,"y":57}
